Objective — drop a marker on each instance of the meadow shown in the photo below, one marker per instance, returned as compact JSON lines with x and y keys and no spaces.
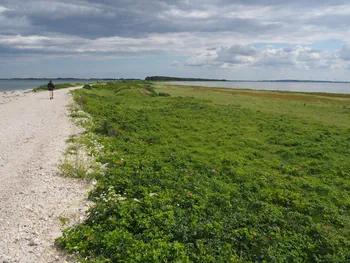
{"x":215,"y":175}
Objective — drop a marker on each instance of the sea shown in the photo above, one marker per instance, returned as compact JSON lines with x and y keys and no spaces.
{"x":23,"y":84}
{"x":276,"y":86}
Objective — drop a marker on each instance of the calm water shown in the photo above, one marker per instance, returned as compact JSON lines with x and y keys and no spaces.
{"x":6,"y":85}
{"x":282,"y":86}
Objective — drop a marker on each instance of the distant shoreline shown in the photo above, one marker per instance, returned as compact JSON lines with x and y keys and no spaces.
{"x":273,"y":85}
{"x":163,"y":79}
{"x":292,"y":81}
{"x":98,"y":79}
{"x":167,"y":78}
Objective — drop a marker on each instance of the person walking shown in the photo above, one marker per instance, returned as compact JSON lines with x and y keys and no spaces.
{"x":51,"y":87}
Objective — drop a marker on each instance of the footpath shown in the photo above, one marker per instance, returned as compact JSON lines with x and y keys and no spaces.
{"x":34,"y":199}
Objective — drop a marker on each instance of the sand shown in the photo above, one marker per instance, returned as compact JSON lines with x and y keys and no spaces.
{"x":33,"y":196}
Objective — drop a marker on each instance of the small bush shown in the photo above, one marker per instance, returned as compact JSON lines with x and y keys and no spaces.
{"x":81,"y":100}
{"x":73,"y":148}
{"x":63,"y":220}
{"x":74,"y":167}
{"x":87,"y":86}
{"x":163,"y":94}
{"x":149,"y":88}
{"x":108,"y":129}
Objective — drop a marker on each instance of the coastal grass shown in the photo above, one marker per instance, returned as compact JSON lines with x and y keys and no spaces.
{"x":214,"y":175}
{"x":328,"y":108}
{"x":74,"y":167}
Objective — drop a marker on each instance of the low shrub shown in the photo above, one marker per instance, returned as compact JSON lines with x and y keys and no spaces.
{"x":189,"y":180}
{"x":163,"y":94}
{"x":74,"y":167}
{"x":87,"y":86}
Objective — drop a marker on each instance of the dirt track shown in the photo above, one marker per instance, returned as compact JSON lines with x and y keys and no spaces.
{"x":33,"y":130}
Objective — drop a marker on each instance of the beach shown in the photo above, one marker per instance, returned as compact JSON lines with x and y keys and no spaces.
{"x":7,"y":96}
{"x":33,"y":196}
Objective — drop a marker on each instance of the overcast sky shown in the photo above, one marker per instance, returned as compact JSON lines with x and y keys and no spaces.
{"x":243,"y":39}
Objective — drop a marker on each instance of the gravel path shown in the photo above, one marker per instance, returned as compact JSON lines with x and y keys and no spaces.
{"x":33,"y":197}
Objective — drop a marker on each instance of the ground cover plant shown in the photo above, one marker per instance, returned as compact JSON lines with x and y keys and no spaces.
{"x":198,"y":175}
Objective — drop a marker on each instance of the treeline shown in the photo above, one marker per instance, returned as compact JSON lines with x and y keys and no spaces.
{"x":162,"y":78}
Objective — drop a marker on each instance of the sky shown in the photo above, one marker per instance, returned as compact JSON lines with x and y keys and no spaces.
{"x":237,"y":40}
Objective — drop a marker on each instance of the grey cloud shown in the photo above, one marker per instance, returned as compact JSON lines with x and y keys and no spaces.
{"x":7,"y":51}
{"x":176,"y":27}
{"x":92,"y":19}
{"x":16,"y":46}
{"x":331,"y":21}
{"x":344,"y":52}
{"x":288,"y":49}
{"x":235,"y":54}
{"x":276,"y":58}
{"x":306,"y":54}
{"x":243,"y":50}
{"x":122,"y":18}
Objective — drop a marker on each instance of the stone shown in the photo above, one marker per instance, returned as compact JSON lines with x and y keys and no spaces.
{"x":34,"y":243}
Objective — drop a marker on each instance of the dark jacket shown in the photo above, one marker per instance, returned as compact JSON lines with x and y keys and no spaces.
{"x":50,"y":86}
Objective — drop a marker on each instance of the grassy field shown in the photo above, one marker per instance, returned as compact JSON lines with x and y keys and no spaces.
{"x":216,"y":175}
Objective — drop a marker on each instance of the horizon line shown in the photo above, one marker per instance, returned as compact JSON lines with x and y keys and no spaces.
{"x":230,"y":80}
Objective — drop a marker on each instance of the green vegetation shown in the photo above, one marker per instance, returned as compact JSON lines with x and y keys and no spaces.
{"x":57,"y":86}
{"x":63,"y":220}
{"x":162,"y":78}
{"x":215,"y":175}
{"x":87,"y":86}
{"x":77,"y":168}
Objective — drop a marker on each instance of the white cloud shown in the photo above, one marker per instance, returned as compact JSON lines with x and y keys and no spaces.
{"x":297,"y":57}
{"x":175,"y":13}
{"x":3,"y":9}
{"x":344,"y":53}
{"x":13,"y":40}
{"x":229,"y":56}
{"x":206,"y":58}
{"x":236,"y":54}
{"x":214,"y":33}
{"x":175,"y":63}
